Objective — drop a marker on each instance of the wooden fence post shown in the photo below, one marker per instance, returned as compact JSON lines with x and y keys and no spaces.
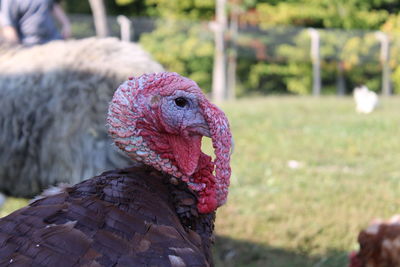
{"x":100,"y":17}
{"x":219,"y":70}
{"x":384,"y":58}
{"x":340,"y":81}
{"x":232,"y":56}
{"x":125,"y":26}
{"x":315,"y":59}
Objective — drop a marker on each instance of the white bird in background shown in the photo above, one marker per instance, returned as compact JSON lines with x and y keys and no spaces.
{"x":366,"y":100}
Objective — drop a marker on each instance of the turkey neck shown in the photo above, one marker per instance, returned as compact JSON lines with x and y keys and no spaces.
{"x":184,"y":201}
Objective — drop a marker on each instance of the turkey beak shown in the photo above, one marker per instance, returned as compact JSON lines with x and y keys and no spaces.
{"x":199,"y":127}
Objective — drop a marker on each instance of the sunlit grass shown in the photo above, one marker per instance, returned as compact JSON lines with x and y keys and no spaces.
{"x":348,"y":174}
{"x":12,"y":204}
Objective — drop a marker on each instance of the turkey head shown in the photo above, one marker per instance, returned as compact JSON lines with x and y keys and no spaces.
{"x":160,"y":119}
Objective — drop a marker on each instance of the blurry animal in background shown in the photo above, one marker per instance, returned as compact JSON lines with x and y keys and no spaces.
{"x":379,"y":245}
{"x":53,"y":102}
{"x":366,"y":100}
{"x":159,"y":212}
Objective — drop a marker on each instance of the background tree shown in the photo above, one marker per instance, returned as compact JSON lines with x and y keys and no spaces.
{"x":273,"y":51}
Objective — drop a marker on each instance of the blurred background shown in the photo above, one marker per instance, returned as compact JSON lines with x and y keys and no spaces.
{"x":269,"y":42}
{"x":314,"y":162}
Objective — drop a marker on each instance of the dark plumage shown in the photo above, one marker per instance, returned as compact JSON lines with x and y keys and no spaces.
{"x":160,"y":212}
{"x":120,"y":218}
{"x":379,"y":245}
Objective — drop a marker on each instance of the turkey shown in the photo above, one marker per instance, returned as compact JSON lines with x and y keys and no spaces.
{"x":379,"y":245}
{"x":158,"y":212}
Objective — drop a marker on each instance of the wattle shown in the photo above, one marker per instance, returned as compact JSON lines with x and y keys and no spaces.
{"x":186,"y":151}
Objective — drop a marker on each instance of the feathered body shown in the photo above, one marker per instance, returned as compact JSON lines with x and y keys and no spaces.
{"x":379,"y":245}
{"x":159,"y":212}
{"x":120,"y":218}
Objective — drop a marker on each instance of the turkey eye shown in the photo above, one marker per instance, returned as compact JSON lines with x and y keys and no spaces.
{"x":181,"y":102}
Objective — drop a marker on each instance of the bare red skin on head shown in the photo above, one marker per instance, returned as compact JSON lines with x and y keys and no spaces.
{"x":222,"y":142}
{"x":186,"y":152}
{"x":134,"y":113}
{"x":208,"y":196}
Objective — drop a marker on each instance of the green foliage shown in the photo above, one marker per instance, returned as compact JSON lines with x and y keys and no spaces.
{"x":77,"y":6}
{"x":124,"y":2}
{"x":114,"y":7}
{"x":278,"y":59}
{"x":286,"y":66}
{"x":179,"y":44}
{"x":182,"y":9}
{"x":356,"y":51}
{"x":392,"y":27}
{"x":279,"y":78}
{"x":288,"y":14}
{"x":355,"y":14}
{"x":396,"y":80}
{"x":183,"y":48}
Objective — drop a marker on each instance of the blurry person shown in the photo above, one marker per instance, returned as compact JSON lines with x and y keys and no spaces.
{"x":31,"y":22}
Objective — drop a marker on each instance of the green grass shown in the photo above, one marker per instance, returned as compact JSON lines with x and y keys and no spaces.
{"x":310,"y":216}
{"x":349,"y":174}
{"x":12,"y":204}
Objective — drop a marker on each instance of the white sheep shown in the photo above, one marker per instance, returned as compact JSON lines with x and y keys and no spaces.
{"x":53,"y":101}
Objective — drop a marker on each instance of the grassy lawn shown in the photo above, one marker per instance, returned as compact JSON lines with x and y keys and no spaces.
{"x":348,"y":173}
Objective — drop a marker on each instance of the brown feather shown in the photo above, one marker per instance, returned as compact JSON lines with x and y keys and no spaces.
{"x":128,"y":217}
{"x":379,"y":245}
